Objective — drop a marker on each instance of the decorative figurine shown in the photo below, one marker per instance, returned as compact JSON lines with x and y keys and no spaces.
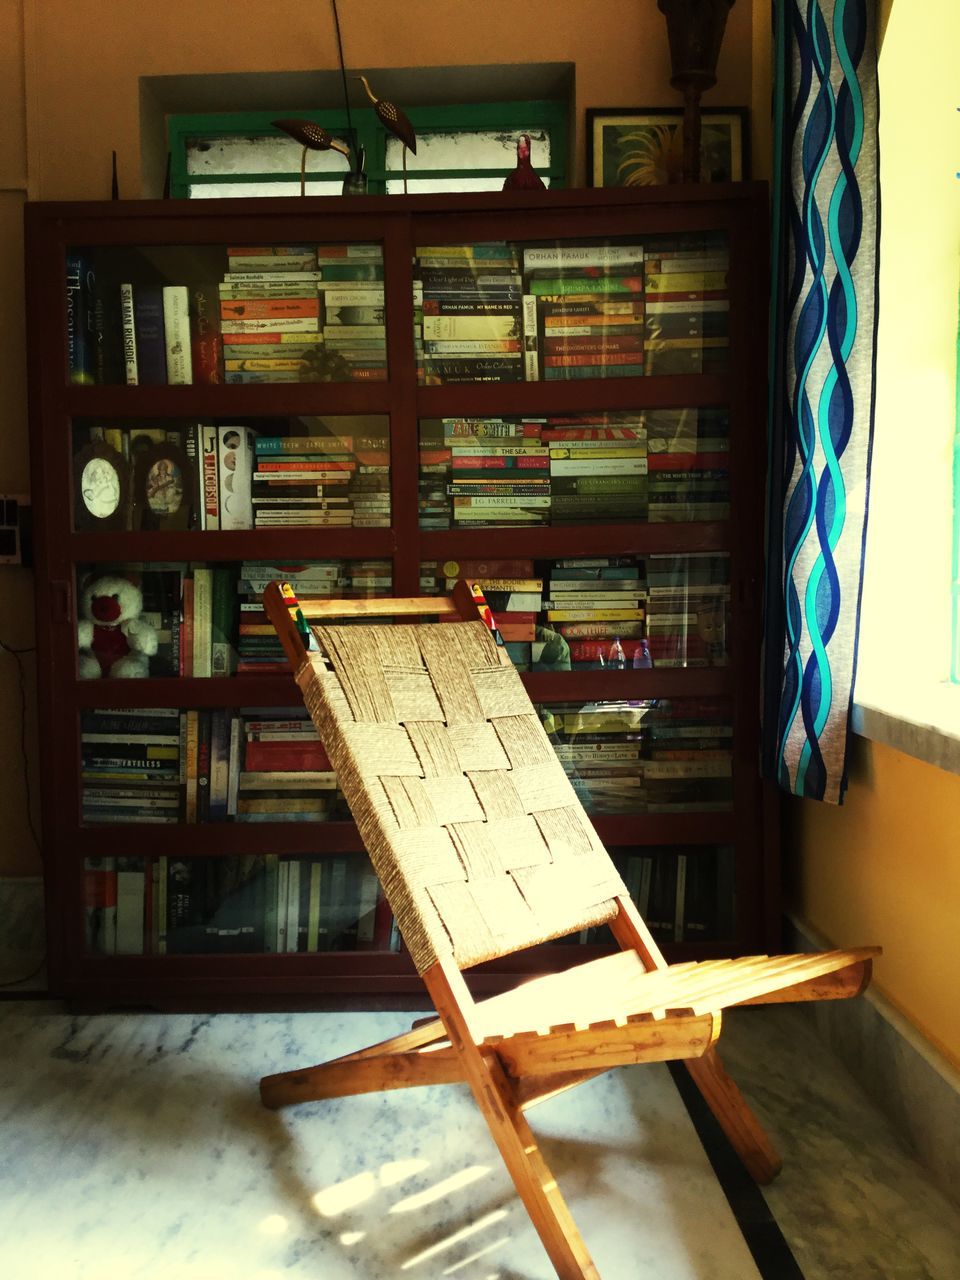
{"x":312,"y":138}
{"x":395,"y":122}
{"x":524,"y":177}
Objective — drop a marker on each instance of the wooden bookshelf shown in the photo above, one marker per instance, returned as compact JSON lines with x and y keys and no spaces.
{"x":182,"y":242}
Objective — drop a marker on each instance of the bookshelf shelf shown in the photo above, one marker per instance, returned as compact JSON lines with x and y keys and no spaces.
{"x":186,"y":865}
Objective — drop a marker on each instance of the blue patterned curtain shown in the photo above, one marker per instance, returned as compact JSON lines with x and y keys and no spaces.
{"x":823,"y":331}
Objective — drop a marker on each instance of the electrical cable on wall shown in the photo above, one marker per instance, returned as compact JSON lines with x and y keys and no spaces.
{"x":17,"y":655}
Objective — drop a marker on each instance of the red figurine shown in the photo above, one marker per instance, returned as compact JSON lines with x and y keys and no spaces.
{"x":524,"y":177}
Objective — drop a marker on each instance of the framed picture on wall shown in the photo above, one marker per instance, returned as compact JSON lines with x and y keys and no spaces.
{"x":643,"y":146}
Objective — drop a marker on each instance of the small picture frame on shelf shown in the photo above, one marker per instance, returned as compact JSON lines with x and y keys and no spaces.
{"x":101,"y":478}
{"x":163,"y":487}
{"x":643,"y":146}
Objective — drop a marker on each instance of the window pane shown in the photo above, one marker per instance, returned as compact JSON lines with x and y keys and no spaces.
{"x":470,"y":149}
{"x":431,"y":186}
{"x":240,"y":190}
{"x":274,"y":153}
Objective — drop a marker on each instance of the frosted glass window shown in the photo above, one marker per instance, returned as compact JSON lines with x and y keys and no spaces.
{"x":429,"y":186}
{"x":474,"y":149}
{"x":276,"y":154}
{"x":237,"y":190}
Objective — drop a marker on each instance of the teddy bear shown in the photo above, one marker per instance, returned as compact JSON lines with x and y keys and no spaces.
{"x":113,"y":639}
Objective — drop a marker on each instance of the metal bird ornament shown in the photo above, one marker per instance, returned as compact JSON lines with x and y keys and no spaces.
{"x":395,"y":122}
{"x":524,"y":177}
{"x":312,"y":138}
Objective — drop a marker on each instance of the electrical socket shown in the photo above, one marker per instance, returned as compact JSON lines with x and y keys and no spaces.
{"x":15,"y":528}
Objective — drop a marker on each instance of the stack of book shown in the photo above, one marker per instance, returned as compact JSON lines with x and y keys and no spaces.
{"x":515,"y":603}
{"x":270,"y":314}
{"x":590,"y":309}
{"x":688,"y":605}
{"x":598,"y":468}
{"x":352,"y":292}
{"x":130,"y":765}
{"x":688,"y":756}
{"x":369,"y":488}
{"x":687,"y":304}
{"x":285,"y":773}
{"x":599,"y":746}
{"x":499,"y":472}
{"x":303,"y":480}
{"x":688,"y":453}
{"x":259,"y":652}
{"x":364,"y":580}
{"x":470,"y":301}
{"x":598,"y":605}
{"x":433,"y":477}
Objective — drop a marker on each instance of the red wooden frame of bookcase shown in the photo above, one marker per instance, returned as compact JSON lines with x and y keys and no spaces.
{"x":400,"y":223}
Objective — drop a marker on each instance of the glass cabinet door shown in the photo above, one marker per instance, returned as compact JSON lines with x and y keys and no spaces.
{"x":241,"y":313}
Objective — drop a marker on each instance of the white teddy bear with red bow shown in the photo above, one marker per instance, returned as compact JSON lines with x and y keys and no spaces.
{"x":112,"y":637}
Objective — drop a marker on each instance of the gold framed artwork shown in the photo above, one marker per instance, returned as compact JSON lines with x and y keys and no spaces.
{"x":643,"y":146}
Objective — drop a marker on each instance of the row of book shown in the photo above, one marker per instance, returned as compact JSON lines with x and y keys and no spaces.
{"x":259,"y":651}
{"x":493,"y":311}
{"x":483,"y":311}
{"x":271,"y":904}
{"x":658,"y":466}
{"x":684,"y":894}
{"x":576,"y":614}
{"x":228,"y":476}
{"x":165,"y":765}
{"x":614,"y":612}
{"x":279,"y":313}
{"x":209,"y":619}
{"x":226,"y":764}
{"x":651,"y":756}
{"x":262,"y":903}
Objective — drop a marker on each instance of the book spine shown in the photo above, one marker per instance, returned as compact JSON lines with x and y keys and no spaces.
{"x":151,"y":341}
{"x":221,"y":649}
{"x":205,"y":340}
{"x":176,"y":324}
{"x":211,"y":478}
{"x":128,"y":325}
{"x":267,"y":308}
{"x":531,"y":325}
{"x":202,"y":621}
{"x":235,"y":447}
{"x":81,"y":355}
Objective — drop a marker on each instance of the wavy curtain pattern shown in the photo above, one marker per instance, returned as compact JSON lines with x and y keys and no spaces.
{"x":823,"y":329}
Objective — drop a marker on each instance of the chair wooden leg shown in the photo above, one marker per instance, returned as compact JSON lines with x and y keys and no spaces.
{"x":364,"y":1075}
{"x":735,"y":1118}
{"x":518,"y":1147}
{"x":390,"y":1064}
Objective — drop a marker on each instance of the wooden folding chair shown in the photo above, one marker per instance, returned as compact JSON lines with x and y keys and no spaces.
{"x":483,"y":848}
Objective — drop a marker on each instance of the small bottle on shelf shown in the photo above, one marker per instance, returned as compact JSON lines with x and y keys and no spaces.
{"x":641,"y":656}
{"x":616,"y":658}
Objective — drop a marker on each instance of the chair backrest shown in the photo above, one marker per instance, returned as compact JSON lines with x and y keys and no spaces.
{"x":478,"y":838}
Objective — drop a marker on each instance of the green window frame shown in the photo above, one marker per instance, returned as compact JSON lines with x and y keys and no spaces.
{"x":549,"y":116}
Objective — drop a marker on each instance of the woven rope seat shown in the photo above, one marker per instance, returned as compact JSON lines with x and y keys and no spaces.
{"x":483,"y":848}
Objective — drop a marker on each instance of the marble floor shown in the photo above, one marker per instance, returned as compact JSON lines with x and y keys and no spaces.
{"x":133,"y":1146}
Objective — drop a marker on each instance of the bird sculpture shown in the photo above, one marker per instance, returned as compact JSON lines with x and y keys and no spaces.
{"x":312,"y":138}
{"x":395,"y":122}
{"x":524,"y":177}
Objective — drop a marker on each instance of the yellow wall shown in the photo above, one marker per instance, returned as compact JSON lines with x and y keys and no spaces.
{"x":70,"y":93}
{"x":885,"y":867}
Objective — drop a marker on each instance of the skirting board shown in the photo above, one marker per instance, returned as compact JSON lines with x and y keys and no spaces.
{"x":917,"y":1089}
